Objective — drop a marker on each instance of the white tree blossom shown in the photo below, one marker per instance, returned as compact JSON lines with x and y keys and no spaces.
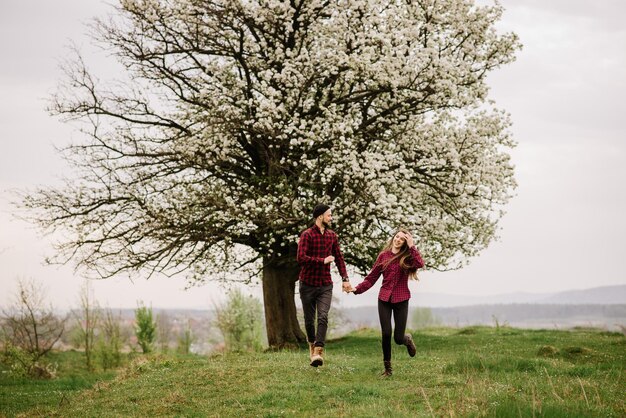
{"x":240,"y":115}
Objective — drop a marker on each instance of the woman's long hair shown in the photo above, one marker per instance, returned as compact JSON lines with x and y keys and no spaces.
{"x":402,"y":255}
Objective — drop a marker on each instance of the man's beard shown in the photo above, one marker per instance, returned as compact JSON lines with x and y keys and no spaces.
{"x":326,"y":224}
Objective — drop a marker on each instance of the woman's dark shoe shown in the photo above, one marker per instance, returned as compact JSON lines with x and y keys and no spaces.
{"x":410,"y":345}
{"x":388,"y":370}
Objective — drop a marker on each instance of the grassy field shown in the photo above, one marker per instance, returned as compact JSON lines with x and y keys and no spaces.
{"x":476,"y":371}
{"x":21,"y":394}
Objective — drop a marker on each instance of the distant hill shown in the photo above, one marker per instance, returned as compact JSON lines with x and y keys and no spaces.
{"x":605,"y":295}
{"x":600,"y":295}
{"x":520,"y":315}
{"x":603,"y":307}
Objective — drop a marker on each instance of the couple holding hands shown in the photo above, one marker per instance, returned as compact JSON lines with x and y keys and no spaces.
{"x":397,"y":262}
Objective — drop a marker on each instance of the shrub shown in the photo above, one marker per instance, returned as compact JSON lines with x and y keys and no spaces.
{"x":239,"y":322}
{"x":29,"y":324}
{"x":164,"y":331}
{"x":184,"y":340}
{"x":547,"y":351}
{"x":109,"y":345}
{"x":145,"y":328}
{"x":87,"y":318}
{"x":423,"y":318}
{"x":24,"y":364}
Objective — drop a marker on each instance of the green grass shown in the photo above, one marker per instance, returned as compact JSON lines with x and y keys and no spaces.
{"x":477,"y":371}
{"x":21,"y":394}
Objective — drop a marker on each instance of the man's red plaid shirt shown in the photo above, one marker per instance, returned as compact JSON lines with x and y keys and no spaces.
{"x":313,"y":248}
{"x":395,"y":287}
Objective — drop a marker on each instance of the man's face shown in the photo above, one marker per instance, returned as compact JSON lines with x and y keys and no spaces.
{"x":327,"y":217}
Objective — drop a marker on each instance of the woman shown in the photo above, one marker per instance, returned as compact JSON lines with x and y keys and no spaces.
{"x":397,"y":262}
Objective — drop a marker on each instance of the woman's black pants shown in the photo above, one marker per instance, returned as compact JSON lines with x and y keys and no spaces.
{"x":400,"y":312}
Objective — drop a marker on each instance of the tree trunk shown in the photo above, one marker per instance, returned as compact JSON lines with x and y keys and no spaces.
{"x":281,"y":322}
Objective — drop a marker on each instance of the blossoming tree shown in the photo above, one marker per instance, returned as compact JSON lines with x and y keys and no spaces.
{"x":238,"y":116}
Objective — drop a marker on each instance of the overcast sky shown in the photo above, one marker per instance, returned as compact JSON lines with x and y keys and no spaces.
{"x":566,"y":93}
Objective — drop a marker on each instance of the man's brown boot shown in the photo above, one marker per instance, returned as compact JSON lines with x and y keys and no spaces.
{"x":316,"y":358}
{"x":311,"y":348}
{"x":388,"y":370}
{"x":410,"y":345}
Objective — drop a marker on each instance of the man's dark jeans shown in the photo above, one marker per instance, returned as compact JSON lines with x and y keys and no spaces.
{"x":316,"y":298}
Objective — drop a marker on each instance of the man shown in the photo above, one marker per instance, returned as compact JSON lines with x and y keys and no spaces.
{"x":317,"y":248}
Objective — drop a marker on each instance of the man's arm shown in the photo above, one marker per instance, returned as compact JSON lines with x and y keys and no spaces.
{"x":339,"y":262}
{"x":303,"y":249}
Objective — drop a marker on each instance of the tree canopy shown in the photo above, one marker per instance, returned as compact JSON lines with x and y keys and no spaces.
{"x":238,"y":116}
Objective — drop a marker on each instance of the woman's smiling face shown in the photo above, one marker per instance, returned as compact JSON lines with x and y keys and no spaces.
{"x":399,"y":240}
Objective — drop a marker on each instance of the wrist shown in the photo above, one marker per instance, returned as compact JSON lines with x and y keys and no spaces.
{"x":345,"y":280}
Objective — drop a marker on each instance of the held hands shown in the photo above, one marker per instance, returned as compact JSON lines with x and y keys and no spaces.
{"x":329,"y":259}
{"x":347,"y":287}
